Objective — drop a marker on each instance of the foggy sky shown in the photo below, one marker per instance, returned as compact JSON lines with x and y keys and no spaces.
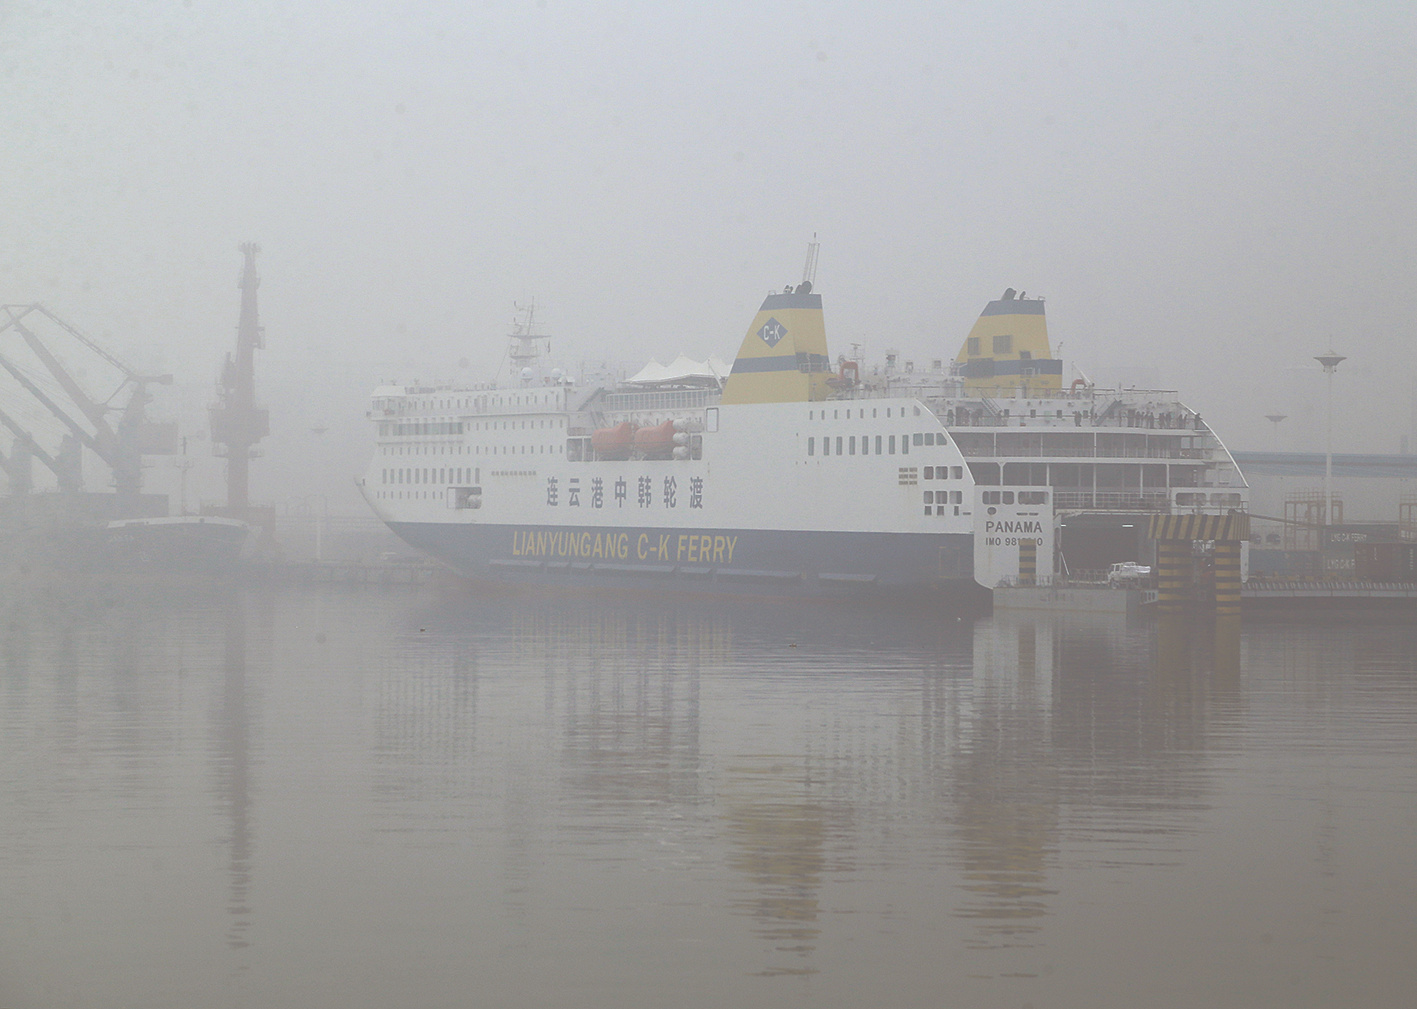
{"x":1207,"y":194}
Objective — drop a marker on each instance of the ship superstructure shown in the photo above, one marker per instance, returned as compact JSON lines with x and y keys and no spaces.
{"x":1108,"y":458}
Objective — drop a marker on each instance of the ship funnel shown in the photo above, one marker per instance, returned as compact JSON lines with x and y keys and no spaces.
{"x":1007,"y":351}
{"x":783,"y":358}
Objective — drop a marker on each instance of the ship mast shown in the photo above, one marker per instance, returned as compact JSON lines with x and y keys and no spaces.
{"x":237,"y":423}
{"x":523,"y":349}
{"x":809,"y":270}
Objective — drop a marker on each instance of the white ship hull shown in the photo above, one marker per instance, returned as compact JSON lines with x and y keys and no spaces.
{"x":761,"y":510}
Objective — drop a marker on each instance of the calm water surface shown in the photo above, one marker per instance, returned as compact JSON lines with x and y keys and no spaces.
{"x":425,"y":798}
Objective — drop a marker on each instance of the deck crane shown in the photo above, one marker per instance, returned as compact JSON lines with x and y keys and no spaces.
{"x":121,"y":446}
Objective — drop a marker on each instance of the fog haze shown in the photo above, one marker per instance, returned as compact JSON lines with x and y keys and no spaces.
{"x":1206,"y":195}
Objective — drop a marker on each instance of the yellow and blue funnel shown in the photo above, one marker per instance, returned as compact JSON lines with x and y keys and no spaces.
{"x":783,"y":358}
{"x":1007,"y":351}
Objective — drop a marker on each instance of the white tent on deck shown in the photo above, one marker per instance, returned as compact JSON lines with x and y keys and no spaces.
{"x":682,"y":371}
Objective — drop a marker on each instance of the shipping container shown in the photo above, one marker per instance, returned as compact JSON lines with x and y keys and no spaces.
{"x":1374,"y":562}
{"x":1283,"y":563}
{"x":1385,"y":562}
{"x":1338,"y":563}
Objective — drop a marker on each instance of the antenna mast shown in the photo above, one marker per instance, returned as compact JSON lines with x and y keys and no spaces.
{"x":809,"y":271}
{"x":525,"y":348}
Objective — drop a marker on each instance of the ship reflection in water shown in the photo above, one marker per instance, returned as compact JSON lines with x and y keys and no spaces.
{"x":379,"y":797}
{"x":778,"y":846}
{"x":231,"y":764}
{"x":1003,"y":789}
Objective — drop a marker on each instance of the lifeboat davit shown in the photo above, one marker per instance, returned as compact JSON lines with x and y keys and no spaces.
{"x":613,"y":442}
{"x":655,"y":442}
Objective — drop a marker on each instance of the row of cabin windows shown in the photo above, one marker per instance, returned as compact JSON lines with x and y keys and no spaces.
{"x":684,"y":399}
{"x":516,"y":449}
{"x":425,"y":449}
{"x":517,"y":425}
{"x":1025,"y":497}
{"x":530,"y":399}
{"x":457,"y":474}
{"x":393,"y":403}
{"x":471,"y":449}
{"x":860,"y":413}
{"x":848,"y":442}
{"x":422,"y":428}
{"x":941,"y":500}
{"x":416,"y":428}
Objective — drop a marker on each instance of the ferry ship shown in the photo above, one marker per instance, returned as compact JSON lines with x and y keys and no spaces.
{"x":791,"y":474}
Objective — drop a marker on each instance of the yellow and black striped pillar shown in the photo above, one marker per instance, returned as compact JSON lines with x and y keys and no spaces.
{"x":1174,"y":534}
{"x":1173,"y":570}
{"x":1028,"y":562}
{"x":1227,"y":578}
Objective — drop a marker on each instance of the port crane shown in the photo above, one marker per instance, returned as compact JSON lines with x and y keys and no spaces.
{"x":65,"y":464}
{"x":120,"y":443}
{"x":237,"y":422}
{"x":18,"y":465}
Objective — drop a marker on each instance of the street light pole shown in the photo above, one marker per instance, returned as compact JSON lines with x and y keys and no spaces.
{"x":1330,"y":362}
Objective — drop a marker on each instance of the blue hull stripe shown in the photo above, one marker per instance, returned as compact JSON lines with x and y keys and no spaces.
{"x":755,"y":561}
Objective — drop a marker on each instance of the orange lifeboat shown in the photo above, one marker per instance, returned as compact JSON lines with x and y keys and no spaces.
{"x":613,"y":442}
{"x":655,"y":442}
